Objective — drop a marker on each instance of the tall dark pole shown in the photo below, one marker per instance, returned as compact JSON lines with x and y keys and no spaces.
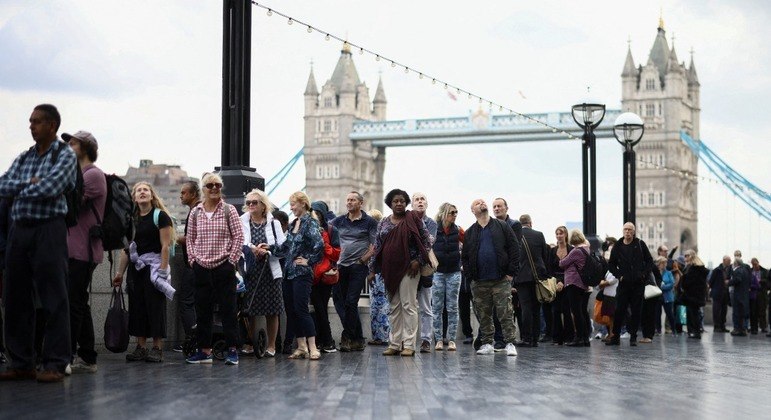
{"x":237,"y":176}
{"x":589,"y":176}
{"x":630,"y":194}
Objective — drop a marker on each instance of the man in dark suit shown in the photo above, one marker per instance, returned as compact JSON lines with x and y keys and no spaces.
{"x":535,"y":242}
{"x":719,"y":294}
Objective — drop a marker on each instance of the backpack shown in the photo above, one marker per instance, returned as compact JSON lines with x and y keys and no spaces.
{"x":594,"y":269}
{"x":117,"y":228}
{"x":156,"y":214}
{"x":73,"y":196}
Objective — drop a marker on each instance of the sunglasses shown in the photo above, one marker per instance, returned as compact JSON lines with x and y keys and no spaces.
{"x":453,"y":213}
{"x":252,"y":202}
{"x":213,"y":185}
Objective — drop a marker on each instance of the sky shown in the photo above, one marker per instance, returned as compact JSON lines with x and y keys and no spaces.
{"x":145,"y":78}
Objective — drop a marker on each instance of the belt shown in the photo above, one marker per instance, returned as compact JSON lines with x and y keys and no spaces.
{"x":37,"y":222}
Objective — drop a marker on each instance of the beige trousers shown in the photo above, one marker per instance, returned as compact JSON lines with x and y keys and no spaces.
{"x":404,"y":315}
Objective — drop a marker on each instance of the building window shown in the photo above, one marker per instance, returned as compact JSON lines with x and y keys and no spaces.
{"x":334,"y":205}
{"x":327,"y":102}
{"x":660,"y":109}
{"x":641,"y":200}
{"x":328,"y":171}
{"x":660,"y":226}
{"x":651,"y":200}
{"x":650,"y":84}
{"x":327,"y":126}
{"x":650,"y":110}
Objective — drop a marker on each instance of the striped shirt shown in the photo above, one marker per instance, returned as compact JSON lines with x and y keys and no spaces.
{"x":210,"y":242}
{"x":44,"y":199}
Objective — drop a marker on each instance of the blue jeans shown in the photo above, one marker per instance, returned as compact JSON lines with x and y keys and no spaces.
{"x":296,"y":298}
{"x":445,"y":294}
{"x":346,"y":295}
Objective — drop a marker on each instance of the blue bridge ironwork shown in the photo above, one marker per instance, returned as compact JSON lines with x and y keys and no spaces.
{"x":476,"y":128}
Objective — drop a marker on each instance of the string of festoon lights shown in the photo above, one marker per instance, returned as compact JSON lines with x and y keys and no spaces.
{"x":409,"y":70}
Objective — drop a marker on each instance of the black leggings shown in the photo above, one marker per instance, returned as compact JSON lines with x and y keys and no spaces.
{"x":577,"y":308}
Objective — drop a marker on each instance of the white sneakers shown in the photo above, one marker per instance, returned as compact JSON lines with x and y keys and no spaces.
{"x":511,"y":350}
{"x":488,"y":349}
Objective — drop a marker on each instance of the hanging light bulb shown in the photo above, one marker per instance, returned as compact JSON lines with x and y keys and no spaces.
{"x":377,"y":57}
{"x":310,"y":29}
{"x":433,"y":81}
{"x":420,"y":75}
{"x":393,"y":64}
{"x":290,"y":21}
{"x":406,"y":70}
{"x":326,"y":38}
{"x":270,"y":12}
{"x":361,"y":51}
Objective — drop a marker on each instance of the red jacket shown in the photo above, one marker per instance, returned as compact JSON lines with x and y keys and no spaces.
{"x":328,"y":260}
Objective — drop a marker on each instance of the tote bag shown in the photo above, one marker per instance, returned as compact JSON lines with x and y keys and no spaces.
{"x":116,"y":336}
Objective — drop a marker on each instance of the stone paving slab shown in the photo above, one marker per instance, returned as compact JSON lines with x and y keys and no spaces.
{"x":675,"y":377}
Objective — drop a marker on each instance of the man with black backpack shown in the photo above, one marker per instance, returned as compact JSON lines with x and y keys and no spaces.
{"x":84,"y":244}
{"x":630,"y":262}
{"x":37,"y":250}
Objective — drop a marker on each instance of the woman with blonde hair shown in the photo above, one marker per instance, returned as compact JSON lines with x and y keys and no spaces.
{"x":214,"y":246}
{"x":562,"y":324}
{"x":449,"y":240}
{"x":301,"y":250}
{"x":693,"y":288}
{"x":575,"y":287}
{"x":263,"y":271}
{"x":149,"y":278}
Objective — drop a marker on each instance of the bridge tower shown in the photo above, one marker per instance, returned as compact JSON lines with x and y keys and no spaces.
{"x":665,"y":93}
{"x":334,"y":165}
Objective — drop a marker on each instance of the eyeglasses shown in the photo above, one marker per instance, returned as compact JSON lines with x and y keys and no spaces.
{"x":252,"y":203}
{"x":453,"y":212}
{"x":213,"y":185}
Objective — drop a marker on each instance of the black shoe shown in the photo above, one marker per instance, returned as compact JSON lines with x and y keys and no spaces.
{"x":177,"y":348}
{"x":575,"y":344}
{"x":587,"y":343}
{"x":468,"y":340}
{"x":499,"y":346}
{"x":345,"y":344}
{"x":545,"y":339}
{"x":696,"y":336}
{"x":357,"y":345}
{"x":633,"y":342}
{"x":614,"y":342}
{"x":328,"y":348}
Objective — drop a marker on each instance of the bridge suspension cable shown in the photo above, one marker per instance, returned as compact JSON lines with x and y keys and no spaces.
{"x":757,"y":199}
{"x":275,"y":181}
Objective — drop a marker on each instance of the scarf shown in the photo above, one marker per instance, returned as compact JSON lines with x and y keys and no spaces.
{"x":393,"y":258}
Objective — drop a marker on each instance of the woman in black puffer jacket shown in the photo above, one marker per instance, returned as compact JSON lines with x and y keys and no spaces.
{"x":693,"y":291}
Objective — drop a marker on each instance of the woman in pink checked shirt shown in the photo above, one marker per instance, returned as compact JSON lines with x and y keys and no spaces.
{"x":214,"y":239}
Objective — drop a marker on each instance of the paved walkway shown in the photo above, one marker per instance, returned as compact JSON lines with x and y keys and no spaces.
{"x":675,"y":377}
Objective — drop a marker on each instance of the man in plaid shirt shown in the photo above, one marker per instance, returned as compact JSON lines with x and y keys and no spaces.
{"x":37,"y":251}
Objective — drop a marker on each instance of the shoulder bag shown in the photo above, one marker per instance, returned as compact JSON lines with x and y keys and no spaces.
{"x":546,"y":289}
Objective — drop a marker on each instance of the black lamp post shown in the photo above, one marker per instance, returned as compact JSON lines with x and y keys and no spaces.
{"x":238,"y":177}
{"x":628,"y":130}
{"x":588,"y":115}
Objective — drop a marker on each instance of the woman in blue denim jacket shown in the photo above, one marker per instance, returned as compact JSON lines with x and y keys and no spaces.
{"x":301,"y":250}
{"x":667,"y":287}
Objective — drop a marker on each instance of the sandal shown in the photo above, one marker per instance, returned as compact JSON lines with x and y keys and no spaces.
{"x":299,"y":354}
{"x":315,"y":355}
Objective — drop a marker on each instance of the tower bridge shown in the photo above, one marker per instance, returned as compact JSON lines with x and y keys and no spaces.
{"x":347,"y":135}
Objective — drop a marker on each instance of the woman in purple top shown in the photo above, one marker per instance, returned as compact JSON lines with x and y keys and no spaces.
{"x":575,"y":287}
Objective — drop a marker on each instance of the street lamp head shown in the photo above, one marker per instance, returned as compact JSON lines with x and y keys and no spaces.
{"x":628,"y":129}
{"x":589,"y":113}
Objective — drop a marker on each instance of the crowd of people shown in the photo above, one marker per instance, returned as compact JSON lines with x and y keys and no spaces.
{"x":425,"y":275}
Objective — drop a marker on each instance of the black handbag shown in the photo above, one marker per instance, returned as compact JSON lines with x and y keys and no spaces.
{"x":116,"y":335}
